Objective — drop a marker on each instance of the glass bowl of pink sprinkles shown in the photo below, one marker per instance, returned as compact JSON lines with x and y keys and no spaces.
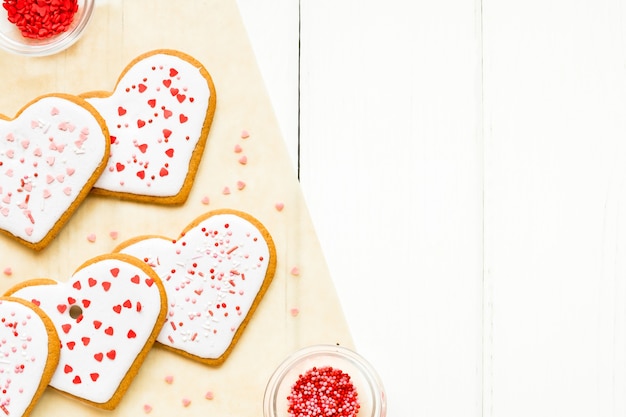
{"x":324,"y":380}
{"x":42,"y":27}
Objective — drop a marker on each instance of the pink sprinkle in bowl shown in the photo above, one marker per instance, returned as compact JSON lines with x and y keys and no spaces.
{"x":11,"y":40}
{"x":371,"y":394}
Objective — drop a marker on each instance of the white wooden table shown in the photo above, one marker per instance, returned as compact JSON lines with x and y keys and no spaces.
{"x":464,"y":163}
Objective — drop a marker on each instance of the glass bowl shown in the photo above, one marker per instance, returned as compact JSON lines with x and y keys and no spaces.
{"x":11,"y":39}
{"x":371,"y":394}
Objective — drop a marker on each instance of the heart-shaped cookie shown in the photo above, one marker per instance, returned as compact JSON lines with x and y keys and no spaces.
{"x":51,"y":154}
{"x":29,"y":353}
{"x":107,"y":317}
{"x":215,"y":274}
{"x":159,"y":117}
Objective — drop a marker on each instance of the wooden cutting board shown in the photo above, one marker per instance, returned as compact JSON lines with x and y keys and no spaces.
{"x":212,"y":32}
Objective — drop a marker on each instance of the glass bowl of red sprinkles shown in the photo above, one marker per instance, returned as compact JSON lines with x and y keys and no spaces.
{"x":324,"y":380}
{"x":42,"y":27}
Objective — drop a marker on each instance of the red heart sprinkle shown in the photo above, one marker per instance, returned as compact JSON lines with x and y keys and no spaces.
{"x":66,"y":327}
{"x":77,"y":380}
{"x":98,"y":356}
{"x":85,"y":340}
{"x":167,"y":83}
{"x":106,"y":285}
{"x":141,"y":174}
{"x":152,"y":102}
{"x":167,"y":113}
{"x":149,"y":282}
{"x":67,"y":369}
{"x":86,"y":303}
{"x":117,"y":309}
{"x":163,"y":172}
{"x":121,"y":111}
{"x":76,"y":285}
{"x":138,"y":306}
{"x":174,"y":91}
{"x":173,"y":72}
{"x":142,"y":88}
{"x":131,"y":334}
{"x":71,"y":300}
{"x":170,"y":153}
{"x":183,"y":118}
{"x":166,"y":133}
{"x":143,"y":147}
{"x":36,"y":302}
{"x":140,"y":123}
{"x":127,"y":304}
{"x":94,"y":376}
{"x":92,"y":282}
{"x":119,"y":167}
{"x":115,"y":272}
{"x":70,"y":345}
{"x":97,"y":324}
{"x":181,"y":97}
{"x":135,"y":279}
{"x":109,"y":331}
{"x":61,"y":308}
{"x":113,"y":139}
{"x":111,"y":354}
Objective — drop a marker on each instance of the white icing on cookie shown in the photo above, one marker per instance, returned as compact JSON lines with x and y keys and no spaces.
{"x":155,"y":117}
{"x":50,"y":154}
{"x":24,"y":343}
{"x":212,"y":276}
{"x":104,"y":315}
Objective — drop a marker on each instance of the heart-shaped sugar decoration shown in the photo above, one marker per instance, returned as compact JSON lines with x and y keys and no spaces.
{"x":30,"y":354}
{"x":37,"y":150}
{"x":215,"y":275}
{"x":102,"y":345}
{"x":171,"y":127}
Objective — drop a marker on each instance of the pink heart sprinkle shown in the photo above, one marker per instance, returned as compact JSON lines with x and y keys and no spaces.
{"x":113,"y":234}
{"x":238,"y":148}
{"x":8,"y":271}
{"x":295,"y":271}
{"x":169,"y":379}
{"x":279,"y":206}
{"x":243,"y":160}
{"x":226,"y":191}
{"x":209,"y":395}
{"x":205,"y":200}
{"x":67,"y":191}
{"x":186,"y":402}
{"x":91,"y":237}
{"x":46,"y":193}
{"x":241,"y":185}
{"x":29,"y":231}
{"x":294,"y":312}
{"x":147,"y":408}
{"x":245,"y":134}
{"x":54,"y":111}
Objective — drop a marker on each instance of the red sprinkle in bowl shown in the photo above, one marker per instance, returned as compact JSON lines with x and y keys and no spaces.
{"x":13,"y":41}
{"x":371,"y":394}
